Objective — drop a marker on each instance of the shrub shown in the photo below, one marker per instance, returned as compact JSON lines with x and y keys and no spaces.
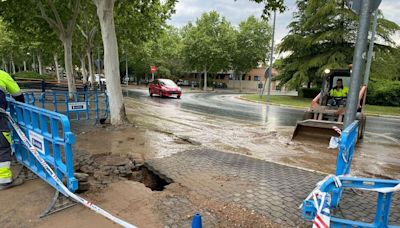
{"x":309,"y":92}
{"x":384,"y":92}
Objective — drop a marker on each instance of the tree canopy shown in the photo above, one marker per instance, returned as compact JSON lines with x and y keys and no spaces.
{"x":322,"y":35}
{"x":208,"y":43}
{"x":251,"y":44}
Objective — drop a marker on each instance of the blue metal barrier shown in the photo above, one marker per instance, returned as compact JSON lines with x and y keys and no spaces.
{"x":82,"y":105}
{"x":347,"y":144}
{"x":51,"y":134}
{"x":331,"y":188}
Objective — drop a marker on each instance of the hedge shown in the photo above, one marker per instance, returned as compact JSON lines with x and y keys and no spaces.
{"x":384,"y":92}
{"x":308,"y":92}
{"x":31,"y":74}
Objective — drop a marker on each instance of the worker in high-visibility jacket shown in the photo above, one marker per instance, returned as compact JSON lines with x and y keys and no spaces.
{"x":338,"y":94}
{"x":7,"y":85}
{"x":339,"y":90}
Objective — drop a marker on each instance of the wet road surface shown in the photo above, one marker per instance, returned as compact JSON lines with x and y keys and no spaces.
{"x":227,"y":105}
{"x":223,"y":122}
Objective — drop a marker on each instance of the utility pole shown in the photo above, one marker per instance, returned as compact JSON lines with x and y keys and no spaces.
{"x":356,"y":77}
{"x":271,"y":58}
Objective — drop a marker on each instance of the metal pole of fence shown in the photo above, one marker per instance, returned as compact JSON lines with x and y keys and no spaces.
{"x":356,"y":77}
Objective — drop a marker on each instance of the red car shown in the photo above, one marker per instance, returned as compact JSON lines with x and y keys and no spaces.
{"x":164,"y":88}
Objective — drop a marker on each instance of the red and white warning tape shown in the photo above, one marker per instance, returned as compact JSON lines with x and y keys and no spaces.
{"x":79,"y":199}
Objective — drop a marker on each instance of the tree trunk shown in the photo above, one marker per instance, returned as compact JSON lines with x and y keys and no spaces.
{"x":205,"y":80}
{"x":105,"y":9}
{"x":90,"y":66}
{"x":39,"y":59}
{"x":68,"y":65}
{"x":12,"y":65}
{"x":83,"y":70}
{"x":240,"y":81}
{"x":24,"y":65}
{"x":55,"y":57}
{"x":5,"y":67}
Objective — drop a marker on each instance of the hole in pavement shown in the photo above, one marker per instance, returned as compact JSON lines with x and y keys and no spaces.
{"x":150,"y":179}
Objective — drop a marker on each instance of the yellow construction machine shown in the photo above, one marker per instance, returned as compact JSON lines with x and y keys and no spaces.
{"x":327,"y":111}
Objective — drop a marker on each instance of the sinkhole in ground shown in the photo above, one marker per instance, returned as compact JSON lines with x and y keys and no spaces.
{"x":152,"y":180}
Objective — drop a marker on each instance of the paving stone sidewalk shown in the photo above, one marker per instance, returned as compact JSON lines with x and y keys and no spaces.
{"x":270,"y":189}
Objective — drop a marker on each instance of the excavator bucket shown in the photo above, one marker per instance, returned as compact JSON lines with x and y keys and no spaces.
{"x":315,"y":130}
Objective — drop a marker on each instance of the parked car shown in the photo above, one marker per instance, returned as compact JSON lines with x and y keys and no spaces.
{"x":164,"y":88}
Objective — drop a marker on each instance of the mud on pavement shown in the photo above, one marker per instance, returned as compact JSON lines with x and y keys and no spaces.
{"x":115,"y":178}
{"x":148,"y":174}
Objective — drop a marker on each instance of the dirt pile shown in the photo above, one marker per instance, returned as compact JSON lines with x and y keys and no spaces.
{"x":103,"y":169}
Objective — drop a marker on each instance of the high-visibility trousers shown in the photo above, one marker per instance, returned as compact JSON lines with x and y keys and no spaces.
{"x":5,"y":158}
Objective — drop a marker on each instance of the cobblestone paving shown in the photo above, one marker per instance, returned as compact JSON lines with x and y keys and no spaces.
{"x":273,"y":190}
{"x":178,"y":212}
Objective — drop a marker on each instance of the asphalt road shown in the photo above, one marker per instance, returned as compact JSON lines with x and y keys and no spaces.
{"x":227,"y":105}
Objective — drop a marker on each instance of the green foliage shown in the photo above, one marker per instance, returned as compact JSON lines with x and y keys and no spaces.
{"x":322,"y":35}
{"x":251,"y":44}
{"x":32,"y":34}
{"x":309,"y":92}
{"x":31,"y":74}
{"x":139,"y":21}
{"x":271,"y":5}
{"x":208,"y":43}
{"x":384,"y":92}
{"x":386,"y":64}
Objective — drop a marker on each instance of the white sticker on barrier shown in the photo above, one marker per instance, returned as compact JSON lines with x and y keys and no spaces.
{"x":77,"y":106}
{"x":37,"y":141}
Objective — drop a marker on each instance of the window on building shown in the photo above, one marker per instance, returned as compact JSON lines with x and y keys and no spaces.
{"x":249,"y":78}
{"x":256,"y":78}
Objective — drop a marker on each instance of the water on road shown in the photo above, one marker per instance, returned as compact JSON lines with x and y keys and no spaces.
{"x":224,"y":122}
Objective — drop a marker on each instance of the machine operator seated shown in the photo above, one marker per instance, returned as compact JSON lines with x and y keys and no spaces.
{"x":338,"y":94}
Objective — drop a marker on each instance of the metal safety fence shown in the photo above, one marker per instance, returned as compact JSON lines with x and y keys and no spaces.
{"x":320,"y":204}
{"x":50,"y":133}
{"x":79,"y":105}
{"x":42,"y":141}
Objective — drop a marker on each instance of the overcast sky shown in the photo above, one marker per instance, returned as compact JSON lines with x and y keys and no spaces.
{"x":239,"y":10}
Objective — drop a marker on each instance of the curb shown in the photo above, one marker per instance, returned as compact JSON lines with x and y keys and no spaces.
{"x":274,"y":104}
{"x":304,"y":108}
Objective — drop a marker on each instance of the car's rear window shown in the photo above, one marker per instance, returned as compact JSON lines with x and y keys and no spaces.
{"x":167,"y":83}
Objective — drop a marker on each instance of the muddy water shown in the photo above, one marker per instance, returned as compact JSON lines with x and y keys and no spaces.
{"x":172,"y":127}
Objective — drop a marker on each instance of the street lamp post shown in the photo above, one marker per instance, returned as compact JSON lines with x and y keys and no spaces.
{"x":270,"y":62}
{"x":371,"y":49}
{"x":271,"y":59}
{"x":355,"y":83}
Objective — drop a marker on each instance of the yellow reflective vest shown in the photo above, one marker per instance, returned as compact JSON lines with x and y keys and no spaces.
{"x":7,"y":84}
{"x":335,"y":92}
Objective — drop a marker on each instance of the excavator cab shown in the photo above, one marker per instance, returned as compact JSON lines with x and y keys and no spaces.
{"x":327,"y":111}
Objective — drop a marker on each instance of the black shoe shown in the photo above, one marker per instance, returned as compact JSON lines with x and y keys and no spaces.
{"x":14,"y":183}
